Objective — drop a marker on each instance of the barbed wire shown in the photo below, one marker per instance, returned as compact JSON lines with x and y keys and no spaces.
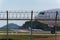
{"x":29,"y":11}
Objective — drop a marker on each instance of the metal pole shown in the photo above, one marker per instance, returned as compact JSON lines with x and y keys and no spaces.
{"x":31,"y":23}
{"x":7,"y":25}
{"x":56,"y":23}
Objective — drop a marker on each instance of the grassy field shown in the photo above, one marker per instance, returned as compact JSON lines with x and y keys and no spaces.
{"x":26,"y":36}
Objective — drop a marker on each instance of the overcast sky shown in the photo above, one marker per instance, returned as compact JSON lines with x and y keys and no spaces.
{"x":28,"y":5}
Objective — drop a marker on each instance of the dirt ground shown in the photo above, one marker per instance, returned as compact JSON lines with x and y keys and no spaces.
{"x":57,"y":37}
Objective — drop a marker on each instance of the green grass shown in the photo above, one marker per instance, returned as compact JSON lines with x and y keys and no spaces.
{"x":24,"y":37}
{"x":20,"y":36}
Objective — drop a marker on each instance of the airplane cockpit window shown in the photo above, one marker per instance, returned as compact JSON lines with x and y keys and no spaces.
{"x":41,"y":13}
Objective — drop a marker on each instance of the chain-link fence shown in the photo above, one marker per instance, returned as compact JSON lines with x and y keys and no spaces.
{"x":29,"y":25}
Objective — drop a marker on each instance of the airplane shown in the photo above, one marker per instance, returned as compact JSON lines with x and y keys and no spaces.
{"x":50,"y":17}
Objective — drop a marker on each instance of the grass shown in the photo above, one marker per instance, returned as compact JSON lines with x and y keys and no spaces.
{"x":25,"y":36}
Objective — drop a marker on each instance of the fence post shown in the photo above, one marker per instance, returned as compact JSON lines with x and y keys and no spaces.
{"x":56,"y":21}
{"x":7,"y":24}
{"x":31,"y":22}
{"x":56,"y":24}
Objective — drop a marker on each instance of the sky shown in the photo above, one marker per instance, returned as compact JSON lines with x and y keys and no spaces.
{"x":29,"y":4}
{"x":38,"y":5}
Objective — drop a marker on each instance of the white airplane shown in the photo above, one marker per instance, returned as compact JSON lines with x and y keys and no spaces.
{"x":49,"y":16}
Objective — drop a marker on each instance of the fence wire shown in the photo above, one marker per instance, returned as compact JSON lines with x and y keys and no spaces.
{"x":25,"y":15}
